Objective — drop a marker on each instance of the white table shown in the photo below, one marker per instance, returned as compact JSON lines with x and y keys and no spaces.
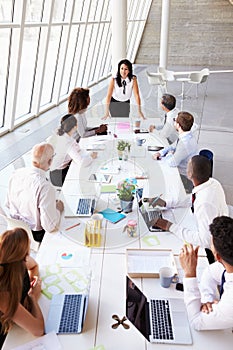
{"x":108,"y":263}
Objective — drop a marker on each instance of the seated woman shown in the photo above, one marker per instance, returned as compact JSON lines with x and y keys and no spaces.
{"x":78,"y":102}
{"x":66,"y":149}
{"x":20,"y":286}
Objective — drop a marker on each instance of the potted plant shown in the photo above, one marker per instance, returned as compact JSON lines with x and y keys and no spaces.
{"x":123,"y":146}
{"x":126,"y":190}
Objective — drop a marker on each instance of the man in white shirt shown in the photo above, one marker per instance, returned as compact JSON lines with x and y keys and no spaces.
{"x":167,"y":129}
{"x":31,"y":197}
{"x":208,"y":309}
{"x":207,"y":200}
{"x":179,"y":153}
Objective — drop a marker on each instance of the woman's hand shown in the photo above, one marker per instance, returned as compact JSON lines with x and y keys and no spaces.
{"x":106,"y":116}
{"x":35,"y":289}
{"x":94,"y":155}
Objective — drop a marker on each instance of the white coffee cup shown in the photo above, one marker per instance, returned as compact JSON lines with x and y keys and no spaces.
{"x":97,"y":217}
{"x":167,"y":276}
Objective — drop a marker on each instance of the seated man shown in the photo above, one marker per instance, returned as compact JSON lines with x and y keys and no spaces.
{"x":167,"y":129}
{"x":207,"y":201}
{"x":179,"y":153}
{"x":31,"y":197}
{"x":214,"y":313}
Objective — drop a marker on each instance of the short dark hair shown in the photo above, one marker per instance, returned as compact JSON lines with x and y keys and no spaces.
{"x":221,"y":230}
{"x":201,"y":168}
{"x":169,"y":101}
{"x":185,"y":119}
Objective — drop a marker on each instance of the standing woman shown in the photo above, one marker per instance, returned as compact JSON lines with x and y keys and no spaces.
{"x":120,"y":91}
{"x":20,"y":287}
{"x":78,"y":102}
{"x":66,"y":149}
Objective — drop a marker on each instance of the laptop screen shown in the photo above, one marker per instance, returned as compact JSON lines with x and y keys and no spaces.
{"x":137,"y":308}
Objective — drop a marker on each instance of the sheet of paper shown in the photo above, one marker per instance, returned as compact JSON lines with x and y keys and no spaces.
{"x":47,"y":342}
{"x":149,"y":263}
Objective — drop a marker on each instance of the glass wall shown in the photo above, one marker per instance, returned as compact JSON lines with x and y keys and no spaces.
{"x":47,"y":47}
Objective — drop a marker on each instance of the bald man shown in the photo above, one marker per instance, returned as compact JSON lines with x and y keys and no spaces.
{"x":31,"y":197}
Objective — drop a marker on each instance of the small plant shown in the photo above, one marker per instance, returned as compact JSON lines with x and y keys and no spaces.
{"x":122,"y":145}
{"x":126,"y":189}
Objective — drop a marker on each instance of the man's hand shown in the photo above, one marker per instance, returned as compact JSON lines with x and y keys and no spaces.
{"x":59,"y":205}
{"x":207,"y":307}
{"x":188,"y":260}
{"x":156,"y":155}
{"x":162,"y":223}
{"x":151,"y":128}
{"x":155,"y":201}
{"x":94,"y":155}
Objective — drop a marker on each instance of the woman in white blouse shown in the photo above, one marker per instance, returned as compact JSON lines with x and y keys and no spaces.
{"x":66,"y":149}
{"x":120,"y":91}
{"x":78,"y":102}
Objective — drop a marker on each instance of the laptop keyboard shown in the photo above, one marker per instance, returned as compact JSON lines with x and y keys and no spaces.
{"x":84,"y":206}
{"x":70,"y":314}
{"x":161,"y":320}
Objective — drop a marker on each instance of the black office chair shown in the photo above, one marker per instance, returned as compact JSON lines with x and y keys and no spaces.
{"x":209,"y":155}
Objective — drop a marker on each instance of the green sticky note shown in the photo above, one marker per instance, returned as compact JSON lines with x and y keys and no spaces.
{"x":108,"y":188}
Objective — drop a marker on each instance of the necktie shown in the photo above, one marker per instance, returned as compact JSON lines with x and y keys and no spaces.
{"x":165,"y":119}
{"x":124,"y":85}
{"x":193,"y":199}
{"x":221,"y":290}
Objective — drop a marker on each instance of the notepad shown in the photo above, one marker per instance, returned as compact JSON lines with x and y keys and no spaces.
{"x":108,"y":188}
{"x":112,"y":215}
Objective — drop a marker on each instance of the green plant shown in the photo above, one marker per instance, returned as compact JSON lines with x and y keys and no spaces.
{"x":126,"y":189}
{"x":122,"y":145}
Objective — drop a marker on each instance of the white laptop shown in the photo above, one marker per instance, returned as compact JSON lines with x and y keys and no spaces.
{"x":66,"y":313}
{"x":79,"y":206}
{"x":158,"y":320}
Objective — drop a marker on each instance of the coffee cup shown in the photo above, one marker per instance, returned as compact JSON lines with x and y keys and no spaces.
{"x":98,"y":218}
{"x":140,"y":141}
{"x":167,"y":276}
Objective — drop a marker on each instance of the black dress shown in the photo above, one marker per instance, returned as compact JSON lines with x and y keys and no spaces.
{"x":26,"y":287}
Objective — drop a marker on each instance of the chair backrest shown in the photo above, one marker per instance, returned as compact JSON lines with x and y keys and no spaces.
{"x":13,"y":223}
{"x":199,"y":77}
{"x":205,"y":75}
{"x":167,"y":75}
{"x":154,"y":78}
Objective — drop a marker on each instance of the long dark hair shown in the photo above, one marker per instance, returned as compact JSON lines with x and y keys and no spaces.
{"x":67,"y":124}
{"x":130,"y":67}
{"x":14,"y":247}
{"x":78,"y":100}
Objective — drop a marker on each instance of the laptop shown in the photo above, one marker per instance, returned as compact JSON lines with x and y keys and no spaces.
{"x":158,"y":320}
{"x":79,"y":207}
{"x":66,"y":313}
{"x":148,"y":215}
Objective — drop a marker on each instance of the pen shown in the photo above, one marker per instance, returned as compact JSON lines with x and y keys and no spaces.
{"x":155,"y":200}
{"x":69,"y":228}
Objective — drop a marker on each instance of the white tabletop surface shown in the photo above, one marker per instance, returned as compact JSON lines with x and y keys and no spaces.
{"x":108,"y":262}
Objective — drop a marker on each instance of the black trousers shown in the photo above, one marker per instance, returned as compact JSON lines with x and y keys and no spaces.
{"x":119,"y":109}
{"x":58,"y":176}
{"x":38,"y":235}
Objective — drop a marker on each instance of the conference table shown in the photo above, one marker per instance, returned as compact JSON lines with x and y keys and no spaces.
{"x":102,"y":270}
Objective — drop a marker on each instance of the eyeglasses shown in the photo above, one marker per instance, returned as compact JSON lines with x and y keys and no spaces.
{"x":174,"y":119}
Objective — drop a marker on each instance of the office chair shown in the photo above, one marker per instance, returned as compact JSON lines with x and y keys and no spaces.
{"x":167,"y":75}
{"x":155,"y":79}
{"x":198,"y":79}
{"x":13,"y":223}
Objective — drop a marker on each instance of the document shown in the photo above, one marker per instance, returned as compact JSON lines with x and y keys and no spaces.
{"x":47,"y":342}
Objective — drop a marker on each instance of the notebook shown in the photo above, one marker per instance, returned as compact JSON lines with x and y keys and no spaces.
{"x":112,"y":215}
{"x":158,"y":320}
{"x":66,"y":313}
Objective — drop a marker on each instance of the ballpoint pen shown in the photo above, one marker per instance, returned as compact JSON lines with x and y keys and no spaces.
{"x":155,"y":200}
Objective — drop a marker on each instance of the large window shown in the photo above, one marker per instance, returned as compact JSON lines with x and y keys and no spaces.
{"x":47,"y":47}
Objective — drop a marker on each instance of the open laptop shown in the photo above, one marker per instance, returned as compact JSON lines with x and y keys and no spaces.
{"x":78,"y":207}
{"x":66,"y":313}
{"x":148,"y":215}
{"x":158,"y":320}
